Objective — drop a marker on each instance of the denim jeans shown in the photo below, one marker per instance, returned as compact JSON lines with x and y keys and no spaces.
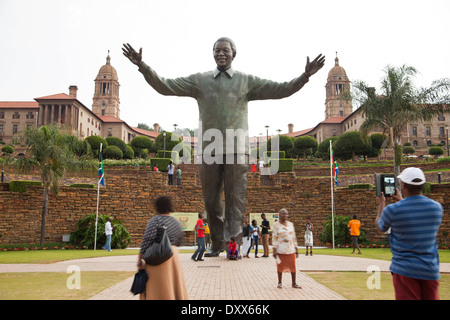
{"x":107,"y":245}
{"x":254,"y":242}
{"x":198,"y":254}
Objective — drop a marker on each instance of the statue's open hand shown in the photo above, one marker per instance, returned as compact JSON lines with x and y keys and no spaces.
{"x":315,"y":65}
{"x":131,"y":54}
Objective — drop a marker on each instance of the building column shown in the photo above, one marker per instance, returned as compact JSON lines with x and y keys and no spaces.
{"x":59,"y":114}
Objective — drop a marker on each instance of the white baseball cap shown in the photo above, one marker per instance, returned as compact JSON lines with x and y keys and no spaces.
{"x":413,"y":176}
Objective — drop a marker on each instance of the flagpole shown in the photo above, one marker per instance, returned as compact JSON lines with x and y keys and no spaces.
{"x":96,"y":216}
{"x":332,"y":196}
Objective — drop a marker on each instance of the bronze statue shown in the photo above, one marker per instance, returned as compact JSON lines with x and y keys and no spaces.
{"x":222,"y":96}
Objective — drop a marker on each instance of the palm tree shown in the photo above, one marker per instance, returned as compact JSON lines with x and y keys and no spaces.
{"x":399,"y":103}
{"x":53,"y":152}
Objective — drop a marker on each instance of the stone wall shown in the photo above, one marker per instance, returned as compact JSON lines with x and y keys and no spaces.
{"x":129,"y":195}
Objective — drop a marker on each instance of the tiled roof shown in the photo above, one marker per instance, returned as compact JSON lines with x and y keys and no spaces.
{"x":59,"y":96}
{"x":146,"y":132}
{"x":110,"y":119}
{"x":19,"y":104}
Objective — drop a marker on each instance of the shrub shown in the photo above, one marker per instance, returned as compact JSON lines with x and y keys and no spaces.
{"x":169,"y":154}
{"x":436,"y":151}
{"x":361,"y":186}
{"x":8,"y":149}
{"x":443,"y":160}
{"x":113,"y":152}
{"x":82,"y":185}
{"x":341,"y":232}
{"x":21,"y":186}
{"x":274,"y":155}
{"x":408,"y":150}
{"x":129,"y":153}
{"x":85,"y":232}
{"x":162,"y":163}
{"x":284,"y":165}
{"x":114,"y":141}
{"x":95,"y":141}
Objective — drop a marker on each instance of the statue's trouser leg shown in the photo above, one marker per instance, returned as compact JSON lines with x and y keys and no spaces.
{"x":212,"y":186}
{"x":234,"y":178}
{"x":235,"y":184}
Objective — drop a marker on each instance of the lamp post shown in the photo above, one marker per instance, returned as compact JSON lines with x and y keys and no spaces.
{"x":267,"y":133}
{"x":175,"y":128}
{"x":448,"y":151}
{"x":164,"y":135}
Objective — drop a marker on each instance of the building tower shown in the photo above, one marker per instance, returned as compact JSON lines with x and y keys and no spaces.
{"x":337,"y":83}
{"x":106,"y":100}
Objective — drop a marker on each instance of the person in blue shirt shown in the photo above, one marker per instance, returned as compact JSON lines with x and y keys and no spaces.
{"x":414,"y":220}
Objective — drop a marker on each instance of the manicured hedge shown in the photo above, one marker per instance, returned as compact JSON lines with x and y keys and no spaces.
{"x":163,"y":163}
{"x":169,"y":154}
{"x":21,"y":186}
{"x":82,"y":185}
{"x":274,"y":155}
{"x":284,"y":165}
{"x":361,"y":186}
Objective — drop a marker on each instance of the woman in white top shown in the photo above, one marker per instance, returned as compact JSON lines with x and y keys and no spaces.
{"x":170,"y":172}
{"x":285,"y":247}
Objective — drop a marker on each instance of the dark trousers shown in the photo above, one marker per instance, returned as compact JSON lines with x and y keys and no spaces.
{"x":232,"y":179}
{"x":198,"y":254}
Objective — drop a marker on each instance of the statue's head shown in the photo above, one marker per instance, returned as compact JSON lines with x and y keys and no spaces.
{"x":224,"y":51}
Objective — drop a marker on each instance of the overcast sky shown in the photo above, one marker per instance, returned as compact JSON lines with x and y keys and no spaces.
{"x":46,"y":46}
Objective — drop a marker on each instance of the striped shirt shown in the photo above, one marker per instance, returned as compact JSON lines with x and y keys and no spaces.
{"x":414,"y":223}
{"x":152,"y":231}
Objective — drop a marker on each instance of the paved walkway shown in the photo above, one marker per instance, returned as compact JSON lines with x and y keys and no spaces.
{"x":218,"y":279}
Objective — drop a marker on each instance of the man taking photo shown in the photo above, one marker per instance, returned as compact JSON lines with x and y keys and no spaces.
{"x":414,"y":221}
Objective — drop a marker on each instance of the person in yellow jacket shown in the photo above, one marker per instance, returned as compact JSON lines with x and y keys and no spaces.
{"x":354,"y":226}
{"x":207,"y":234}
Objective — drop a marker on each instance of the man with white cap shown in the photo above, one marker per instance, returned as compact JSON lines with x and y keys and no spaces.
{"x":414,"y":221}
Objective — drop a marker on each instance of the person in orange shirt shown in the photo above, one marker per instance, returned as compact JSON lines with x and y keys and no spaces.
{"x":354,"y":226}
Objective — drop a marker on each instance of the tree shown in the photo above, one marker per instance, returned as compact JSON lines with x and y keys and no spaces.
{"x":303,"y":144}
{"x":114,"y":141}
{"x":377,"y":140}
{"x":286,"y":144}
{"x":323,"y":149}
{"x":172,"y":140}
{"x":436,"y":151}
{"x":348,"y":145}
{"x":399,"y":103}
{"x":140,"y":143}
{"x":94,"y":142}
{"x":52,"y":151}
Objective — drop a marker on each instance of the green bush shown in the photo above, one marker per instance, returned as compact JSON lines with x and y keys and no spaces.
{"x":94,"y":142}
{"x":113,"y":152}
{"x":8,"y":149}
{"x":443,"y":160}
{"x":21,"y":186}
{"x":436,"y":151}
{"x":163,"y":163}
{"x":361,"y":186}
{"x":341,"y":231}
{"x":169,"y":154}
{"x":129,"y":153}
{"x":284,"y":165}
{"x":408,"y":150}
{"x":82,"y":185}
{"x":274,"y":155}
{"x":84,"y":235}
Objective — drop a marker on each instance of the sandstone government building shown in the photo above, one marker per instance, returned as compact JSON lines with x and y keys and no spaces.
{"x":103,"y":118}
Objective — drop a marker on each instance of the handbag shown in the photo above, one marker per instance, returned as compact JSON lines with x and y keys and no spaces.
{"x":160,"y":250}
{"x":140,"y":282}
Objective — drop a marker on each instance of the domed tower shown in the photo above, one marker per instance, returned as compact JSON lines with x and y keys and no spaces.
{"x":106,"y":96}
{"x":337,"y":83}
